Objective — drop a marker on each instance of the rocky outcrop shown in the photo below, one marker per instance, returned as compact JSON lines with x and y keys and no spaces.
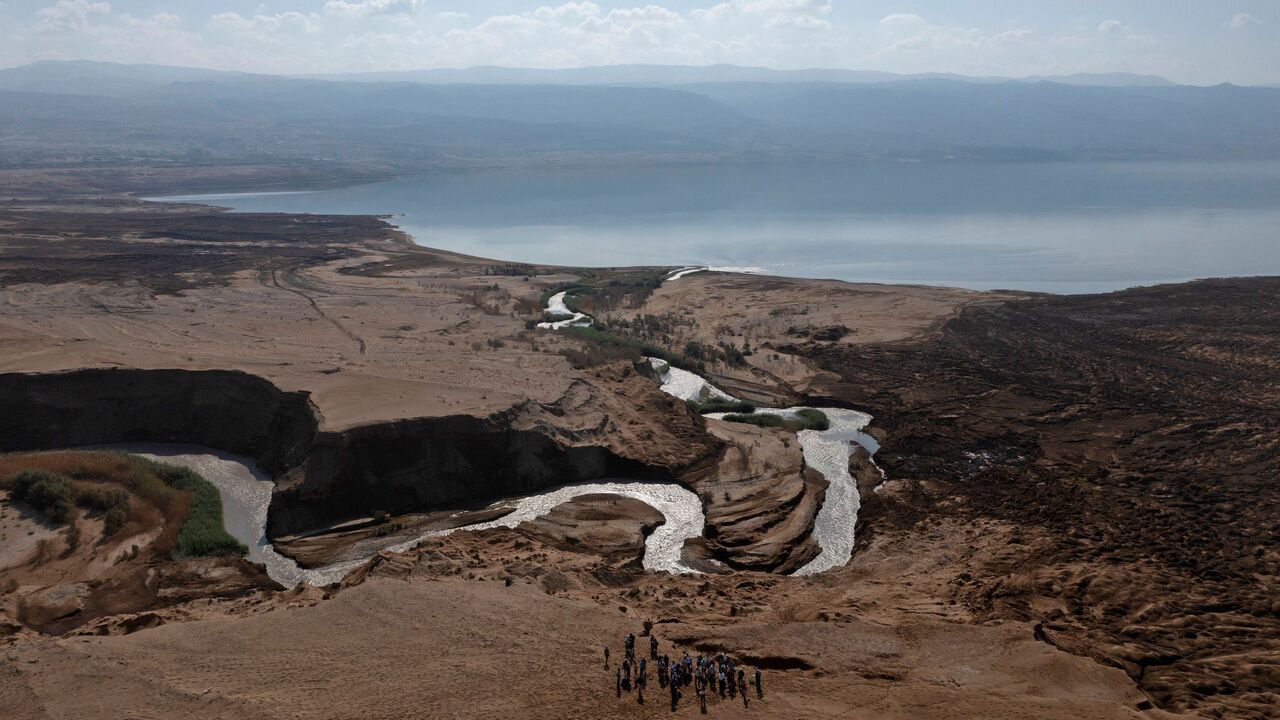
{"x":608,"y":525}
{"x":760,"y":500}
{"x":612,"y":423}
{"x":228,"y":410}
{"x":432,"y":462}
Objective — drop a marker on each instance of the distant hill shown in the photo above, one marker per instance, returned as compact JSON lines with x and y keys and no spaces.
{"x":685,"y":74}
{"x":87,"y":77}
{"x":158,"y":114}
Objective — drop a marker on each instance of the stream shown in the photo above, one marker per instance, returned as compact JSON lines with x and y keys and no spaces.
{"x":246,"y":490}
{"x":246,"y":496}
{"x":826,"y":451}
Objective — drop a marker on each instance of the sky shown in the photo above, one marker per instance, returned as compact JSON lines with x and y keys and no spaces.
{"x":1191,"y":41}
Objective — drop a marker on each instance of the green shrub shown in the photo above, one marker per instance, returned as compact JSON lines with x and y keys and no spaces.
{"x":622,"y":345}
{"x":762,"y":420}
{"x":719,"y":405}
{"x":113,"y":520}
{"x":814,"y":419}
{"x":102,"y":499}
{"x":47,"y":493}
{"x":806,"y":419}
{"x":202,"y":533}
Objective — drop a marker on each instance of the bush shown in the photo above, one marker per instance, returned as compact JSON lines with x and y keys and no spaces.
{"x":806,"y":419}
{"x":102,"y":499}
{"x":765,"y":420}
{"x":814,"y":419}
{"x":113,"y":520}
{"x":47,"y":493}
{"x":615,"y":346}
{"x":721,"y":406}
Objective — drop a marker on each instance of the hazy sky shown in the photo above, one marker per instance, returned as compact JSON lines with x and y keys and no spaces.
{"x":1194,"y":41}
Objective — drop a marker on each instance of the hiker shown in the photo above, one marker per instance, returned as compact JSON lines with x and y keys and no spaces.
{"x":746,"y":701}
{"x":653,"y":647}
{"x":642,"y":667}
{"x":759,"y":687}
{"x":675,"y":692}
{"x":720,"y":679}
{"x":702,"y":699}
{"x":606,"y":657}
{"x":618,"y":683}
{"x":631,"y":646}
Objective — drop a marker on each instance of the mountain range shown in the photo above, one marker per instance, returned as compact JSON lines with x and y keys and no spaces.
{"x":76,"y":112}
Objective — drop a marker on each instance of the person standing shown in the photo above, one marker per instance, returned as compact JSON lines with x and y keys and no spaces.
{"x":759,"y":687}
{"x":618,"y":682}
{"x":653,"y":647}
{"x":606,"y":657}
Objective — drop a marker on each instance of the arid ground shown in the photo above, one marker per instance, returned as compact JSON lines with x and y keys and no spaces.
{"x":1078,"y":516}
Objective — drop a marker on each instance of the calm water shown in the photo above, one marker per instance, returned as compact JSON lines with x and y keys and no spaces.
{"x":1072,"y":227}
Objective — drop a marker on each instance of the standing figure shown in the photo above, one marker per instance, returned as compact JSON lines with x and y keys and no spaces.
{"x":606,"y":657}
{"x":759,"y":687}
{"x":653,"y":647}
{"x":618,"y":684}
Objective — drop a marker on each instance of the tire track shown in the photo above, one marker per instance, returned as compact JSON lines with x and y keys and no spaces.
{"x":275,"y":280}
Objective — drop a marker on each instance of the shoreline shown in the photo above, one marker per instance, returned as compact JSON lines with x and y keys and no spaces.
{"x":1027,"y":288}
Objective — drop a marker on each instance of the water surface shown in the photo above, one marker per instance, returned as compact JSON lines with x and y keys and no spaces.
{"x":1054,"y":227}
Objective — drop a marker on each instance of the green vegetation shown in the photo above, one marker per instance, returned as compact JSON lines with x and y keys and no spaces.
{"x":614,"y":346}
{"x":113,"y":520}
{"x":814,"y":419}
{"x":806,"y":419}
{"x":513,"y":269}
{"x":123,"y":489}
{"x":202,"y":532}
{"x":103,"y":500}
{"x":47,"y":493}
{"x":721,"y":406}
{"x":602,"y":291}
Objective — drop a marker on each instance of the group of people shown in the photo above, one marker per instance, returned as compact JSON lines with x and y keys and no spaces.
{"x":707,"y":675}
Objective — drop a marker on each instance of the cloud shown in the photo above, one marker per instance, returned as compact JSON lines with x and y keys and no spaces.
{"x":910,"y":34}
{"x":806,"y":23}
{"x":365,"y":8}
{"x":798,"y":7}
{"x":356,"y":35}
{"x":70,"y":15}
{"x":267,"y":27}
{"x":900,"y":21}
{"x":1243,"y":20}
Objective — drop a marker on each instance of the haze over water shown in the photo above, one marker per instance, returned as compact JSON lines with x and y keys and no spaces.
{"x":1053,"y":227}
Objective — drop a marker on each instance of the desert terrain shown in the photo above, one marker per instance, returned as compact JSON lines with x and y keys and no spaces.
{"x":1076,"y":517}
